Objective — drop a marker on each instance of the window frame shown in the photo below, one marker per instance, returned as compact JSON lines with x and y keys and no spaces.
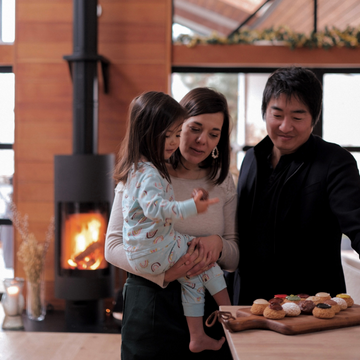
{"x":5,"y":146}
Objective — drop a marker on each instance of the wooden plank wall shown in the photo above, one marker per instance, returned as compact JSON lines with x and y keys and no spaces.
{"x":135,"y":35}
{"x":6,"y":55}
{"x":263,"y":56}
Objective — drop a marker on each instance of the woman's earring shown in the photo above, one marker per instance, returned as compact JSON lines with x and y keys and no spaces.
{"x":215,"y":153}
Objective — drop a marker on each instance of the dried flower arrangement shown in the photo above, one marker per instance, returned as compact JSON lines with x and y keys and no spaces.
{"x":32,"y":254}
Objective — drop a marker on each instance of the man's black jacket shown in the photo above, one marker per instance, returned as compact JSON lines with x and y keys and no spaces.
{"x":318,"y":202}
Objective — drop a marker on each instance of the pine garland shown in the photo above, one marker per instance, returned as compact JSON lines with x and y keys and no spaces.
{"x":327,"y":39}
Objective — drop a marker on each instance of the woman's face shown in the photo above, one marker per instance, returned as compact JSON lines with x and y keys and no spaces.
{"x":200,"y":134}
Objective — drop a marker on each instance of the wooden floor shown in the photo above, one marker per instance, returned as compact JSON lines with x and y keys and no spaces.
{"x":23,"y":345}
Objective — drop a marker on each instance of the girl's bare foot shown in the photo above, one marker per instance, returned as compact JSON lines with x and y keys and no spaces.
{"x":204,"y":342}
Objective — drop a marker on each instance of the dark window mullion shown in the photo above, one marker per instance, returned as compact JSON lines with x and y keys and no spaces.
{"x":5,"y":222}
{"x":6,"y":146}
{"x":352,"y":148}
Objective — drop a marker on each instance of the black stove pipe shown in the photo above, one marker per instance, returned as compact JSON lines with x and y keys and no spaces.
{"x":83,"y":68}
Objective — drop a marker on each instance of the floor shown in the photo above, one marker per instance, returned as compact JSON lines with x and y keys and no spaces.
{"x":59,"y":346}
{"x":39,"y":344}
{"x":21,"y":345}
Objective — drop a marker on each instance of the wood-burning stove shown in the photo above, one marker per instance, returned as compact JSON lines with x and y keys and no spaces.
{"x":83,"y":188}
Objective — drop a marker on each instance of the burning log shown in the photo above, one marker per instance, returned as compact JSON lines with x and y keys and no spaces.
{"x":88,"y":251}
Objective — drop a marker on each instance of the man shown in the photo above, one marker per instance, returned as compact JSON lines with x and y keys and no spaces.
{"x":297,"y":195}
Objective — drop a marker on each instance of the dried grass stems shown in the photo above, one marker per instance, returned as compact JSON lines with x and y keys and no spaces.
{"x":31,"y":253}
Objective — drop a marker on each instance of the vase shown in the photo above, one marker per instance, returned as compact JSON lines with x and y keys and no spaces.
{"x":35,"y":299}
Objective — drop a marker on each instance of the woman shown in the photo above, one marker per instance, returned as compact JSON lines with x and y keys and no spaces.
{"x":153,"y":322}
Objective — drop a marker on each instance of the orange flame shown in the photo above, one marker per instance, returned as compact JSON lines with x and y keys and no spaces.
{"x":83,"y":242}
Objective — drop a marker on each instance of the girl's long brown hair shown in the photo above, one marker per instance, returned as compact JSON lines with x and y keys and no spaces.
{"x":151,"y":114}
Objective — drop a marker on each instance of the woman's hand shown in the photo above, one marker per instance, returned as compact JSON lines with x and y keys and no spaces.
{"x":202,"y":254}
{"x":194,"y":255}
{"x":211,"y":246}
{"x":185,"y":263}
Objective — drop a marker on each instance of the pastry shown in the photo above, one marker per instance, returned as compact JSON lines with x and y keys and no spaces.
{"x":258,"y":306}
{"x":341,"y":302}
{"x":274,"y":311}
{"x":323,"y":296}
{"x":347,"y":298}
{"x":280,"y":296}
{"x":334,"y":305}
{"x":291,"y":309}
{"x":306,"y":307}
{"x":315,"y":299}
{"x":293,"y":298}
{"x":303,"y":296}
{"x":276,"y":300}
{"x":323,"y":311}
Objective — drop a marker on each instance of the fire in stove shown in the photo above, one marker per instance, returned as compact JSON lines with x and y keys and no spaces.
{"x":84,"y":242}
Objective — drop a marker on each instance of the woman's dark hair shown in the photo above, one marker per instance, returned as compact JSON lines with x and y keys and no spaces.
{"x":150,"y":116}
{"x":203,"y":100}
{"x":298,"y":82}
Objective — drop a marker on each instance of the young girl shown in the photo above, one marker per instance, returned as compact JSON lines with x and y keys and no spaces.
{"x":149,"y":208}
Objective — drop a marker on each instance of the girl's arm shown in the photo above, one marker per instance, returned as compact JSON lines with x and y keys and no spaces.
{"x":114,"y":249}
{"x":115,"y":253}
{"x":155,"y":199}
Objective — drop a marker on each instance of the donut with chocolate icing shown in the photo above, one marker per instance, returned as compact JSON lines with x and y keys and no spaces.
{"x":306,"y":307}
{"x":259,"y":306}
{"x":276,"y":300}
{"x":274,"y":311}
{"x":303,"y":296}
{"x":323,"y":311}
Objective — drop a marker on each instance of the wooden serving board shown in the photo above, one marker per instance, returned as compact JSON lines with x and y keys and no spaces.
{"x":293,"y":325}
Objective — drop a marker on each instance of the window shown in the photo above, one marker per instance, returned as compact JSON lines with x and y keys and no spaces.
{"x":243,"y":89}
{"x":7,"y":97}
{"x":342,"y":111}
{"x":7,"y":21}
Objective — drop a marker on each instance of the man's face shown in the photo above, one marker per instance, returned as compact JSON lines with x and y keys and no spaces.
{"x":288,"y":123}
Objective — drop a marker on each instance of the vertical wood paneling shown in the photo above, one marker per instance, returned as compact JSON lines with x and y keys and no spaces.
{"x":134,"y":35}
{"x":6,"y":55}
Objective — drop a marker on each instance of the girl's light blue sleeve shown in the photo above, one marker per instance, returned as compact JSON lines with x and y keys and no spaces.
{"x":156,"y":206}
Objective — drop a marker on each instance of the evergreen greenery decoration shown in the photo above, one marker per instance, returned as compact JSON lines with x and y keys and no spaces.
{"x":329,"y":38}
